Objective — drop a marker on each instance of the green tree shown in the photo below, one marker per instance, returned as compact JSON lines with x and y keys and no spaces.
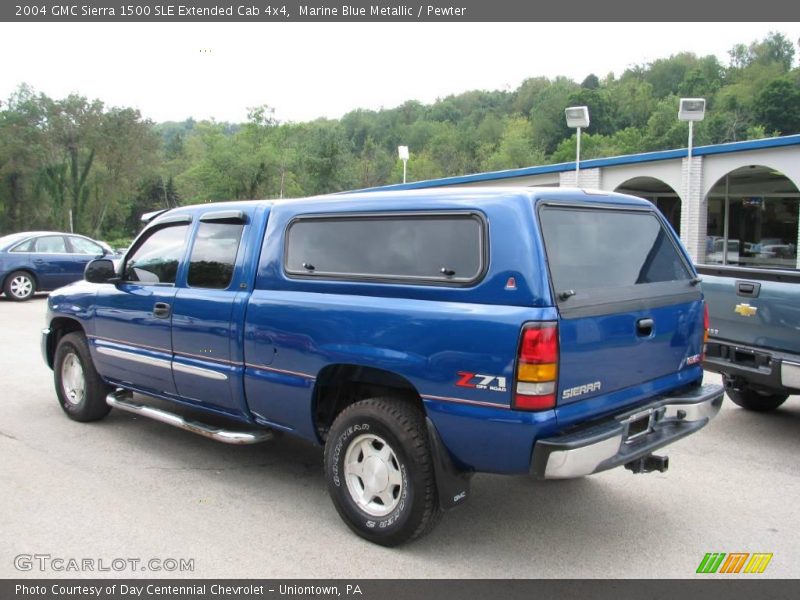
{"x":777,"y":107}
{"x":127,"y":154}
{"x":375,"y":165}
{"x":634,"y":102}
{"x":667,"y":74}
{"x":421,"y":166}
{"x":451,"y":151}
{"x":515,"y":149}
{"x":325,"y":157}
{"x":775,"y":48}
{"x":548,"y":125}
{"x":602,"y":117}
{"x":591,"y":82}
{"x":704,"y":79}
{"x":22,"y":122}
{"x":592,"y":146}
{"x":73,"y":132}
{"x":524,"y":97}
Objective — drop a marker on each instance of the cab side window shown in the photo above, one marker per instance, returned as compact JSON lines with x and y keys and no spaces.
{"x":156,"y":259}
{"x":51,"y":244}
{"x":84,"y":246}
{"x":214,"y":255}
{"x":26,"y":246}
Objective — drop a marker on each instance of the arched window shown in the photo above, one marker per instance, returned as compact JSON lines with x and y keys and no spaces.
{"x":659,"y":193}
{"x":753,"y":219}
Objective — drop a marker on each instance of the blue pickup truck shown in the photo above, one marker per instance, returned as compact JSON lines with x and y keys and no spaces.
{"x":754,"y":333}
{"x":418,"y":336}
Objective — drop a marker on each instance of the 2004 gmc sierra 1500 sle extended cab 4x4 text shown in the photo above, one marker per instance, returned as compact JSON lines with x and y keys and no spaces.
{"x":419,"y":336}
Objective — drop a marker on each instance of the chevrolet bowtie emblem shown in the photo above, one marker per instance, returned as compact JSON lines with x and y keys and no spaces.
{"x":745,"y":310}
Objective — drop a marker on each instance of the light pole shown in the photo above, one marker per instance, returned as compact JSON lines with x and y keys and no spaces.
{"x":692,"y":109}
{"x":402,"y":151}
{"x":577,"y":117}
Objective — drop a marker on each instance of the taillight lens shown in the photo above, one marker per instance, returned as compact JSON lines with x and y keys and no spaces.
{"x":537,"y":367}
{"x":706,"y":325}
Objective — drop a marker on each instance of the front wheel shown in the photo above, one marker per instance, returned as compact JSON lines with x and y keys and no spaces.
{"x":754,"y":400}
{"x":379,"y":471}
{"x":19,"y":286}
{"x":81,"y":392}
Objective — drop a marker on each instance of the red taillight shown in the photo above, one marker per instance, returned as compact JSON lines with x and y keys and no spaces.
{"x":537,"y":367}
{"x":525,"y":402}
{"x":539,"y":344}
{"x":706,"y":325}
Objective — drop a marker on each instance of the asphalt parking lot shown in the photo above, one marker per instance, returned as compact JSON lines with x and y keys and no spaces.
{"x":131,"y":488}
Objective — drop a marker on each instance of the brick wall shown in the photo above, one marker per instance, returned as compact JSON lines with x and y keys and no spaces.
{"x":590,"y":179}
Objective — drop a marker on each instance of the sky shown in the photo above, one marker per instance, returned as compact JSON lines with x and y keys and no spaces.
{"x":304,"y":71}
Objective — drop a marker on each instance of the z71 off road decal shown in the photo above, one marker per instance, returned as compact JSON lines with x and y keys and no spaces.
{"x":478,"y":381}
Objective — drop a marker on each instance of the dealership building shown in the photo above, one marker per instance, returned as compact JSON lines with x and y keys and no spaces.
{"x":738,"y":204}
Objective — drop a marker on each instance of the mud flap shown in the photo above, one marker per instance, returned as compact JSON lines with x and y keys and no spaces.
{"x":451,"y":483}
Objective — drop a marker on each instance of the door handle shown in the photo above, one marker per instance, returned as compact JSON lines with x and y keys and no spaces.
{"x":161,"y":310}
{"x":644,"y":327}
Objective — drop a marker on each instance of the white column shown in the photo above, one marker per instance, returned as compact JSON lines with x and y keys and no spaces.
{"x":590,"y":179}
{"x":797,"y":245}
{"x":694,"y":210}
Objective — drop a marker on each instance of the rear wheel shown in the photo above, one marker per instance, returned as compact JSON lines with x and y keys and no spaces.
{"x":380,"y":473}
{"x":81,"y":392}
{"x":752,"y":399}
{"x":20,"y":285}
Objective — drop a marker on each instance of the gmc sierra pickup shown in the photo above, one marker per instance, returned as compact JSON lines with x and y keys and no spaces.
{"x":418,"y":336}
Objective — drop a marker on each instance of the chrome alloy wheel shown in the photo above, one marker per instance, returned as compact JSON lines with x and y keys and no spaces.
{"x":373,"y":476}
{"x":73,"y":382}
{"x":21,"y":286}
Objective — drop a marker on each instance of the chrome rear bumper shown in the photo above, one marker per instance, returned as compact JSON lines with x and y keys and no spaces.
{"x":627,"y":436}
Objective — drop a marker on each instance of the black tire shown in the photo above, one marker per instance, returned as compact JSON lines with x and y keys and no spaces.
{"x":393,"y":433}
{"x":755,"y":400}
{"x":81,"y":392}
{"x":19,"y":286}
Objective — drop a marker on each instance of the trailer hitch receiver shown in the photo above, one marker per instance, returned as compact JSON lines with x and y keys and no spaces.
{"x":648,"y":464}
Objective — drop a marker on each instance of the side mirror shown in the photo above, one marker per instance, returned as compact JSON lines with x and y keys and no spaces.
{"x":101,"y":270}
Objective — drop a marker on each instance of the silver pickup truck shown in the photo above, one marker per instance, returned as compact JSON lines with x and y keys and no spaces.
{"x":754,"y":333}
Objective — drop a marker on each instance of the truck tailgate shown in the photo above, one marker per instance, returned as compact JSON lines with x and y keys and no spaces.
{"x":613,"y":352}
{"x":754,"y":308}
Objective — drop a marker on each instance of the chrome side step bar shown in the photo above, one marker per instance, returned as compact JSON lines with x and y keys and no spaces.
{"x":123,"y":400}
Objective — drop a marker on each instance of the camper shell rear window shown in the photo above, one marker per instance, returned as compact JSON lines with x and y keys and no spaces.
{"x":605,"y":255}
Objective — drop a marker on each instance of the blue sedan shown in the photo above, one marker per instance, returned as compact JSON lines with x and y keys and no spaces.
{"x":43,"y":260}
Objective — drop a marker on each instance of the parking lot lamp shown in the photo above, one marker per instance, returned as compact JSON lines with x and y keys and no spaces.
{"x":692,"y":109}
{"x":403,"y":152}
{"x":577,"y":117}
